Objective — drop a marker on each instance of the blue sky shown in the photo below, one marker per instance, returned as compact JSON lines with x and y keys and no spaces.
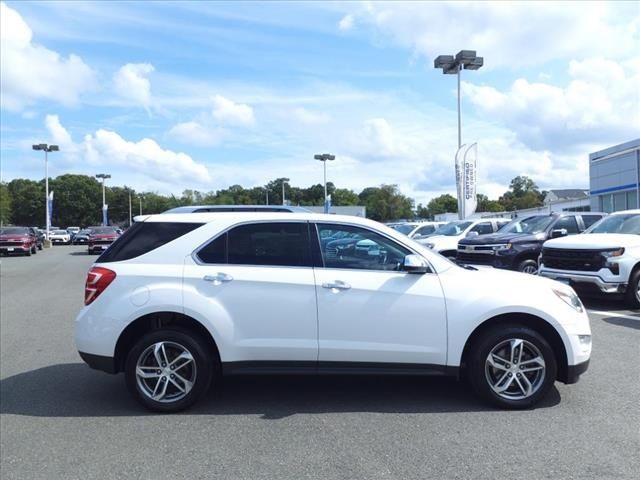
{"x":169,"y":96}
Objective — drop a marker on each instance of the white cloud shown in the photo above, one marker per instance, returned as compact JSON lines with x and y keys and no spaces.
{"x":380,"y":138}
{"x":132,"y":85}
{"x":600,"y":103}
{"x":144,"y":158}
{"x":195,"y":133}
{"x":228,"y":112}
{"x":346,"y":23}
{"x":30,"y":72}
{"x":59,"y":134}
{"x":508,"y":33}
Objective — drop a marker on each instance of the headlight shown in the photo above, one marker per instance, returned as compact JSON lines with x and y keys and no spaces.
{"x":618,"y":252}
{"x":502,"y":247}
{"x":570,"y":298}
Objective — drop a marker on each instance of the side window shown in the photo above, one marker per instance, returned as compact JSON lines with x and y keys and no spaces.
{"x":283,"y":244}
{"x":215,"y":251}
{"x":568,"y":223}
{"x":483,"y":228}
{"x":346,"y":246}
{"x":426,"y":230}
{"x":589,"y":220}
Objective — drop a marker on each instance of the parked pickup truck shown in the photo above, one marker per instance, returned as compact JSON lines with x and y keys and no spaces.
{"x":517,"y":245}
{"x":18,"y":240}
{"x":605,"y":258}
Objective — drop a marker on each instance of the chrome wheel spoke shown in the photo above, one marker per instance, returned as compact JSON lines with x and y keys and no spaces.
{"x":516,"y":350}
{"x":533,"y":363}
{"x":504,"y":383}
{"x":524,"y":384}
{"x":185,"y":357}
{"x":162,"y":383}
{"x":187,"y":384}
{"x":147,"y":372}
{"x":498,"y":362}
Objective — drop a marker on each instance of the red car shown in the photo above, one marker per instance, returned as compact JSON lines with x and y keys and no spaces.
{"x":18,"y":240}
{"x":101,"y":237}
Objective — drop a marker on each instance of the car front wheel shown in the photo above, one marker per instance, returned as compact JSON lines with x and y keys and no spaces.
{"x":512,"y":367}
{"x":528,"y":266}
{"x":169,"y":370}
{"x":633,"y":289}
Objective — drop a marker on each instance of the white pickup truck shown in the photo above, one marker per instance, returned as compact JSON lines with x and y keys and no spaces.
{"x":605,"y":257}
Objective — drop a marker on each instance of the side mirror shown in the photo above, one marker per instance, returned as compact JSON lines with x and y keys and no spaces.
{"x":415,"y":264}
{"x":472,"y":234}
{"x":561,"y":232}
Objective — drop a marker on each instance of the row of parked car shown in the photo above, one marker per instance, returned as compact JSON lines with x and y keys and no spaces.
{"x":15,"y":240}
{"x":600,"y":252}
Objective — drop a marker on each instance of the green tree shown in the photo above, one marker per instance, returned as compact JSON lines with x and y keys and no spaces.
{"x":443,"y":204}
{"x":77,"y":200}
{"x":5,"y":204}
{"x":386,"y":203}
{"x":27,"y":198}
{"x":486,"y":205}
{"x":522,"y":193}
{"x":422,"y":211}
{"x":344,"y":197}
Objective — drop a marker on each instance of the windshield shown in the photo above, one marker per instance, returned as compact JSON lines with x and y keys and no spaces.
{"x":531,"y":225}
{"x":102,"y":230}
{"x":59,"y":232}
{"x":452,"y":229}
{"x":404,"y":228}
{"x":617,"y":224}
{"x":14,"y":231}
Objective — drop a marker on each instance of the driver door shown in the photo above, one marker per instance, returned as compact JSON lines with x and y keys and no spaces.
{"x":369,"y":310}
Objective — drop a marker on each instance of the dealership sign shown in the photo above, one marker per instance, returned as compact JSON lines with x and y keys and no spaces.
{"x":466,"y":177}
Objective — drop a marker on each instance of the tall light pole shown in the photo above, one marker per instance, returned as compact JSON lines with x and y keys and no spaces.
{"x":284,"y":180}
{"x":324,"y":157}
{"x":266,"y":193}
{"x":103,"y":177}
{"x":451,"y":65}
{"x":46,"y":148}
{"x":130,"y":214}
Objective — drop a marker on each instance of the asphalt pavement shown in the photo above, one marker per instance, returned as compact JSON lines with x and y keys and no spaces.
{"x":61,"y":420}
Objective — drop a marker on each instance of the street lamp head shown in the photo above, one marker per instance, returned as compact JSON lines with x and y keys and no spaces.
{"x":464,"y":57}
{"x":443,"y":61}
{"x":40,"y":146}
{"x":53,"y":148}
{"x":475,"y":64}
{"x":324,"y":157}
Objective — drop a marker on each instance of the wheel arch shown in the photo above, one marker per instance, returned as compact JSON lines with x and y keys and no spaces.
{"x":155,"y":321}
{"x":538,"y":324}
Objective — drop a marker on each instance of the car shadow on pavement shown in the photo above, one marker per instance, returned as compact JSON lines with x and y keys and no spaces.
{"x":623,"y":322}
{"x":83,"y":253}
{"x":74,"y":390}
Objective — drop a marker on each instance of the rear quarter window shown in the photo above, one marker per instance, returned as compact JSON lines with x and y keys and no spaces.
{"x":144,"y":237}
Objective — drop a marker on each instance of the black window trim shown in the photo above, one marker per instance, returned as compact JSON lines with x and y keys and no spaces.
{"x":364,"y":227}
{"x":198,"y":261}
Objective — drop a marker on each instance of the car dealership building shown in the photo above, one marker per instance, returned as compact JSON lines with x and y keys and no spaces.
{"x":614,"y":175}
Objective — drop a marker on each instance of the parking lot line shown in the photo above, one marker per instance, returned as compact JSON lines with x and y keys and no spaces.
{"x":614,"y":314}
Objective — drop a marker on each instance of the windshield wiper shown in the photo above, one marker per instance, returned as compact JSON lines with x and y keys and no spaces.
{"x":467,"y":267}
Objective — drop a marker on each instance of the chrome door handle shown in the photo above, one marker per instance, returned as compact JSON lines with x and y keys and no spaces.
{"x":218,"y":278}
{"x":337,"y":285}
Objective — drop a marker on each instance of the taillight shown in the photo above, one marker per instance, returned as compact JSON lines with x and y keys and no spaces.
{"x":98,"y":279}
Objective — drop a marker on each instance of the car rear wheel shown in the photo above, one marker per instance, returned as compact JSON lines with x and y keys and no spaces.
{"x":512,"y":367}
{"x":528,"y":266}
{"x":168,"y":370}
{"x":633,"y":289}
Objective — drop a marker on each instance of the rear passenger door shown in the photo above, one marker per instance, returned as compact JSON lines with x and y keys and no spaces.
{"x":259,"y":287}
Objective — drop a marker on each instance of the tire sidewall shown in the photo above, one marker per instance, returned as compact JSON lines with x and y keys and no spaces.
{"x":632,"y":288}
{"x":525,"y":263}
{"x":201,"y":355}
{"x":492,"y":338}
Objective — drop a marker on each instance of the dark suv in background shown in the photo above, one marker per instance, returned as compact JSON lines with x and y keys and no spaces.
{"x":517,"y":245}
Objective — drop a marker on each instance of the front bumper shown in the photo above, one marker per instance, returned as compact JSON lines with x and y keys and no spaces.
{"x":574,"y":372}
{"x":16,"y":249}
{"x":98,"y":362}
{"x":594,"y":280}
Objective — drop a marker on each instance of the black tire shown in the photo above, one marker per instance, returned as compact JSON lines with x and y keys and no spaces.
{"x":528,"y":266}
{"x":633,"y":295}
{"x":479,"y":372}
{"x":205,"y":366}
{"x":34,"y":250}
{"x":28,"y":253}
{"x":40,"y":247}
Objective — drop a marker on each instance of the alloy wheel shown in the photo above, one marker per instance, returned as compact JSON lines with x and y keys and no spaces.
{"x":530,"y":269}
{"x":515,"y":369}
{"x":166,"y":372}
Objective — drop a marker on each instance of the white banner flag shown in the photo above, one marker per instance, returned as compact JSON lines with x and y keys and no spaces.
{"x":466,"y":178}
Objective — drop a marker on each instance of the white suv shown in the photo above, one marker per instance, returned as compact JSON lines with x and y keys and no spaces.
{"x":445,"y":239}
{"x":179,"y":300}
{"x":605,"y":257}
